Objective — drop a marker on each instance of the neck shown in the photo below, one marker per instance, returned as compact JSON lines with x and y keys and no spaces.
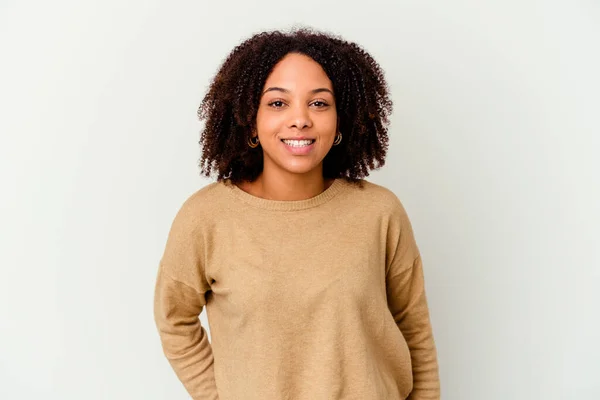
{"x":280,"y":185}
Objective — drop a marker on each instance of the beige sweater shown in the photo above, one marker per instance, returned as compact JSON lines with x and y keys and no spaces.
{"x":318,"y":299}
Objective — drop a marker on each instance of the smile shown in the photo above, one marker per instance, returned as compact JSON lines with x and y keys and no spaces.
{"x":299,"y":147}
{"x":298,"y":143}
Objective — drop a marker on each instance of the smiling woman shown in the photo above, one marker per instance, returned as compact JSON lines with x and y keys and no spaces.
{"x":278,"y":86}
{"x":310,"y":274}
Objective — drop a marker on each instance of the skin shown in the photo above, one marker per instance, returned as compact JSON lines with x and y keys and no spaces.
{"x":297,"y":100}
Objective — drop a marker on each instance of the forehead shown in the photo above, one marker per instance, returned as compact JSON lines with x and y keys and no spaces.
{"x":297,"y":71}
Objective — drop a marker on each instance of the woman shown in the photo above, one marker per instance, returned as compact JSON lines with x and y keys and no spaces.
{"x":311,"y":276}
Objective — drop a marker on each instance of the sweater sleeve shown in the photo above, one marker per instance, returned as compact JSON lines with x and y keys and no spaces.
{"x":408,"y":303}
{"x":179,"y":297}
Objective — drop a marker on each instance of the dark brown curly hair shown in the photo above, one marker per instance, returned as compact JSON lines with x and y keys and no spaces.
{"x":231,"y":104}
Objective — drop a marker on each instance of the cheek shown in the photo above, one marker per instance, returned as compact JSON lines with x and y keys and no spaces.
{"x":329,"y":125}
{"x":267,"y":122}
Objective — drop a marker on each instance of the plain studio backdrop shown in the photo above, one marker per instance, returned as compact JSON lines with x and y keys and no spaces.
{"x":494,"y":153}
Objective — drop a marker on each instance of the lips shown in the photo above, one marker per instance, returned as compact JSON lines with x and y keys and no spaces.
{"x":299,"y":146}
{"x":298,"y":142}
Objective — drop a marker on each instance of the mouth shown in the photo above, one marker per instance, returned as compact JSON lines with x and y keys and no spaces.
{"x":299,"y":147}
{"x":298,"y":142}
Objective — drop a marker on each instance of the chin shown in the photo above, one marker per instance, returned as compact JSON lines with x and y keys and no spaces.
{"x":299,"y":168}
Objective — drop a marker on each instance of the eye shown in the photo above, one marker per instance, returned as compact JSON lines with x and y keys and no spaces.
{"x":319,"y":104}
{"x":276,"y":104}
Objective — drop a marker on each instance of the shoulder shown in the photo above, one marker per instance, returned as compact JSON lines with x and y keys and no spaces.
{"x":203,"y":197}
{"x":376,"y":197}
{"x":200,"y":206}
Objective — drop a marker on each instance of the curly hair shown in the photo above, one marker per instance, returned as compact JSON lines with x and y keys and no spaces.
{"x":230,"y":105}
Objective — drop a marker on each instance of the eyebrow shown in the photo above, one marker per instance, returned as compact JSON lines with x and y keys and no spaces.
{"x":314,"y":91}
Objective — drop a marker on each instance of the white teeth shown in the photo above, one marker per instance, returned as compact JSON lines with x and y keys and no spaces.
{"x":298,"y":143}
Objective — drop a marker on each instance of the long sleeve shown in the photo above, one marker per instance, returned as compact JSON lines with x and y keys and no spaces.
{"x":408,"y":303}
{"x":180,"y":295}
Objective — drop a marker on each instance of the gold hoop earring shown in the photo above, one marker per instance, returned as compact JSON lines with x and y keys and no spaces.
{"x":338,"y":139}
{"x":253,"y":144}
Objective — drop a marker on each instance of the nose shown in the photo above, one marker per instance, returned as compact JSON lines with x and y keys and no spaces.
{"x":300,"y":118}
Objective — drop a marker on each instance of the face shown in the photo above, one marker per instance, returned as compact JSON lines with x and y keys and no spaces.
{"x":296,"y":121}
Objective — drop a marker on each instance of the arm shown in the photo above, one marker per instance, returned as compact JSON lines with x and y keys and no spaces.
{"x":178,"y":301}
{"x":408,"y":303}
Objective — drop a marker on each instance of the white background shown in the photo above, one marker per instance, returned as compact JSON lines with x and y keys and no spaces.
{"x":494,"y":152}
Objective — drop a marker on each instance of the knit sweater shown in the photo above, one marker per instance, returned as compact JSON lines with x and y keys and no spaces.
{"x":319,"y":299}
